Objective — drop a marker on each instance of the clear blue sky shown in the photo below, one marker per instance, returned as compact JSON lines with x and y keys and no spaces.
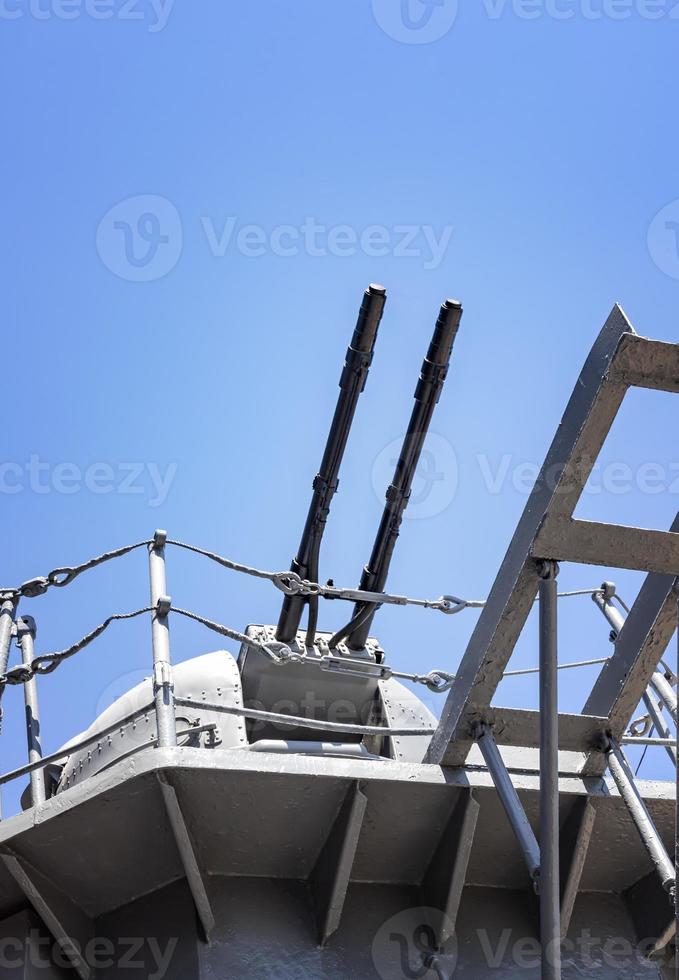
{"x":170,"y":305}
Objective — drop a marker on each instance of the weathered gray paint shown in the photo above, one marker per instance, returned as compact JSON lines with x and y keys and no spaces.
{"x":443,"y":884}
{"x":145,"y":929}
{"x":330,"y":877}
{"x":650,"y":907}
{"x":213,"y":677}
{"x":610,"y":545}
{"x":576,"y":837}
{"x":639,"y":646}
{"x":550,"y":885}
{"x":303,"y":689}
{"x":67,"y":923}
{"x":548,"y":531}
{"x":259,"y":823}
{"x":266,"y":931}
{"x":187,"y":854}
{"x":589,"y":415}
{"x":26,"y":947}
{"x":645,"y":363}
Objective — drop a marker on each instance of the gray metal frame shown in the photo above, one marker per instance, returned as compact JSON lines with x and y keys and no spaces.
{"x":26,"y":631}
{"x":550,"y":898}
{"x":548,"y":531}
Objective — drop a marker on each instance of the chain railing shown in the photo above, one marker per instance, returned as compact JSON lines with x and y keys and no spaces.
{"x":160,"y":609}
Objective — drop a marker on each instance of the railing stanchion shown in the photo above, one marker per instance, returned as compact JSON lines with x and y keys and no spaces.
{"x":7,"y":613}
{"x":550,"y":912}
{"x":163,"y":687}
{"x":25,"y":631}
{"x":8,"y":607}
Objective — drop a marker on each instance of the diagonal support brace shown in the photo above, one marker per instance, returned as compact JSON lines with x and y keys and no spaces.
{"x":67,"y":923}
{"x":188,"y":857}
{"x":510,"y":801}
{"x":642,"y":819}
{"x":575,"y":840}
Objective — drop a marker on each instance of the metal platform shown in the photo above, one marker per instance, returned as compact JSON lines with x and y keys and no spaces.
{"x":258,"y":824}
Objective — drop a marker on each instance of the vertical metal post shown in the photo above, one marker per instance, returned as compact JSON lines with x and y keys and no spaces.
{"x":676,"y":844}
{"x":7,"y":612}
{"x":163,"y":687}
{"x":25,"y":637}
{"x":550,"y":904}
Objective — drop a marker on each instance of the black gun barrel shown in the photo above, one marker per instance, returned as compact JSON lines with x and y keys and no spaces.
{"x":352,"y":382}
{"x":427,"y":394}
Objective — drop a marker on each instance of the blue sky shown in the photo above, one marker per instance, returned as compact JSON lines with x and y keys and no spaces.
{"x":195,"y":197}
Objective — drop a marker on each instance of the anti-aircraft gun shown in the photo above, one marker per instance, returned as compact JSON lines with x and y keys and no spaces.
{"x":344,"y":668}
{"x":396,"y":847}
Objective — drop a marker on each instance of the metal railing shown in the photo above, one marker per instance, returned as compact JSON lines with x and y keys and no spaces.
{"x":23,"y":629}
{"x":542,"y":859}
